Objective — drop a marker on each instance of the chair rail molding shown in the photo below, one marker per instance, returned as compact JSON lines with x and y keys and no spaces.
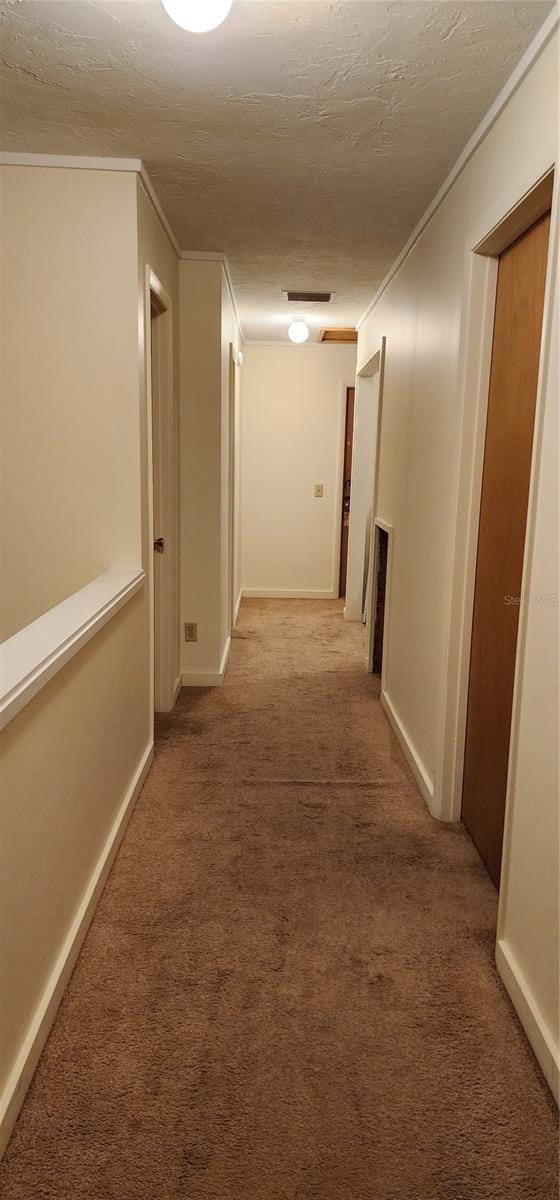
{"x":31,"y":657}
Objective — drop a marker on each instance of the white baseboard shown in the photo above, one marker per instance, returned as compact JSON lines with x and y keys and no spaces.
{"x":425,"y":783}
{"x":176,"y":690}
{"x":287,"y":594}
{"x":237,"y":607}
{"x":208,"y":678}
{"x":26,"y":1062}
{"x":538,"y":1033}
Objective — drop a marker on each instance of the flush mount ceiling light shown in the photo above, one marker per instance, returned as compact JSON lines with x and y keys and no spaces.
{"x":197,"y":16}
{"x":298,"y":332}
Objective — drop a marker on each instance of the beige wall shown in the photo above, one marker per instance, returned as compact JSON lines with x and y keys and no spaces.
{"x":70,"y":495}
{"x":231,"y":378}
{"x":207,"y":329}
{"x":361,"y":498}
{"x":427,"y":447}
{"x":200,"y":461}
{"x":156,"y":252}
{"x":292,"y":431}
{"x":71,"y":757}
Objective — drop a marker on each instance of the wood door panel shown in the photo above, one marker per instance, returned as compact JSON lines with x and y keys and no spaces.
{"x":501,"y":538}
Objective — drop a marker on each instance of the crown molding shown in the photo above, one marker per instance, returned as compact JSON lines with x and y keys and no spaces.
{"x":77,"y":162}
{"x":516,"y":78}
{"x":153,"y":196}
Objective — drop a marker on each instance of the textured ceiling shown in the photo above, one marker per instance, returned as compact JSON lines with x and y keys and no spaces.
{"x":303,"y":140}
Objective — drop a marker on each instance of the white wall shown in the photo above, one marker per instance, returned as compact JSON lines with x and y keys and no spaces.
{"x":73,"y":386}
{"x":361,"y":496}
{"x":156,"y":252}
{"x":70,"y":497}
{"x":292,"y":432}
{"x":230,"y":343}
{"x":432,"y":314}
{"x":207,"y":327}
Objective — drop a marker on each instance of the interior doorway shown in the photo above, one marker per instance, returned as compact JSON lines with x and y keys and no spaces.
{"x":501,"y":537}
{"x":163,"y":495}
{"x":346,"y":488}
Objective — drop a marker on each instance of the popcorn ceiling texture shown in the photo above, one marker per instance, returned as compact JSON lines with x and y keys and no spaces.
{"x":303,"y":140}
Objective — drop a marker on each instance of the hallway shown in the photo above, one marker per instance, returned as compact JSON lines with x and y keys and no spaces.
{"x":288,"y":990}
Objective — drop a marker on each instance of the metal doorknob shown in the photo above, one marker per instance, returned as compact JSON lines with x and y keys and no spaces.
{"x":159,"y":545}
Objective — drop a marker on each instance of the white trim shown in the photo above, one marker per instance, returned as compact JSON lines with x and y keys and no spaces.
{"x":31,"y":657}
{"x":203,"y":255}
{"x":516,"y":78}
{"x":152,"y":195}
{"x":538,"y":1033}
{"x":208,"y":678}
{"x":176,"y":689}
{"x":286,"y":344}
{"x":76,"y":162}
{"x":237,"y":607}
{"x":339,"y":488}
{"x":26,"y":1062}
{"x":421,"y":775}
{"x":288,"y":594}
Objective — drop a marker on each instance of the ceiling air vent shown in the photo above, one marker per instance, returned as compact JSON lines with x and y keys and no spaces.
{"x":309,"y":297}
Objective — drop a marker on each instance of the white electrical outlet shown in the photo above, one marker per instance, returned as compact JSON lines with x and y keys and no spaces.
{"x":318,"y":491}
{"x":191,"y":632}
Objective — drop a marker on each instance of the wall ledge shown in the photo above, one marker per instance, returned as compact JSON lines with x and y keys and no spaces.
{"x":30,"y":658}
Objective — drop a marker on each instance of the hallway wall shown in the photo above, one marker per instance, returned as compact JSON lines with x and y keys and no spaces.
{"x":292,"y":433}
{"x":70,"y":337}
{"x":361,"y":502}
{"x":74,"y":757}
{"x":429,"y":414}
{"x":207,"y":326}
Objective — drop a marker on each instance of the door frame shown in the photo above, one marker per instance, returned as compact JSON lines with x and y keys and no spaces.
{"x":374,"y":366}
{"x":162,"y":451}
{"x":232,"y":498}
{"x":342,"y":476}
{"x":343,"y":386}
{"x":486,"y":243}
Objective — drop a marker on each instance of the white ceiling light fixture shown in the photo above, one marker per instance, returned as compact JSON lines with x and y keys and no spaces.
{"x":298,"y":332}
{"x":197,"y":16}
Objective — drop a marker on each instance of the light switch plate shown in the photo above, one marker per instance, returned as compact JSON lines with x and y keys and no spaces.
{"x":318,"y":491}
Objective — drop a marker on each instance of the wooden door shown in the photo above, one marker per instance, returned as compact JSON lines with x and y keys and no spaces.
{"x":501,"y":537}
{"x":346,"y":489}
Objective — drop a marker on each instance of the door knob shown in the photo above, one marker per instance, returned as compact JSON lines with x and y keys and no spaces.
{"x":159,"y":545}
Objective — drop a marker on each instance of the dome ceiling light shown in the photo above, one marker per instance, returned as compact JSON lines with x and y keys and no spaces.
{"x":298,"y":332}
{"x":197,"y":16}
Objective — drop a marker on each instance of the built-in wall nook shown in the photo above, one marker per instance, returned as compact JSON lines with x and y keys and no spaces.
{"x":379,"y":595}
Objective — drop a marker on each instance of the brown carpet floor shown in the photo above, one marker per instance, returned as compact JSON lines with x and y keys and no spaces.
{"x":288,"y":992}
